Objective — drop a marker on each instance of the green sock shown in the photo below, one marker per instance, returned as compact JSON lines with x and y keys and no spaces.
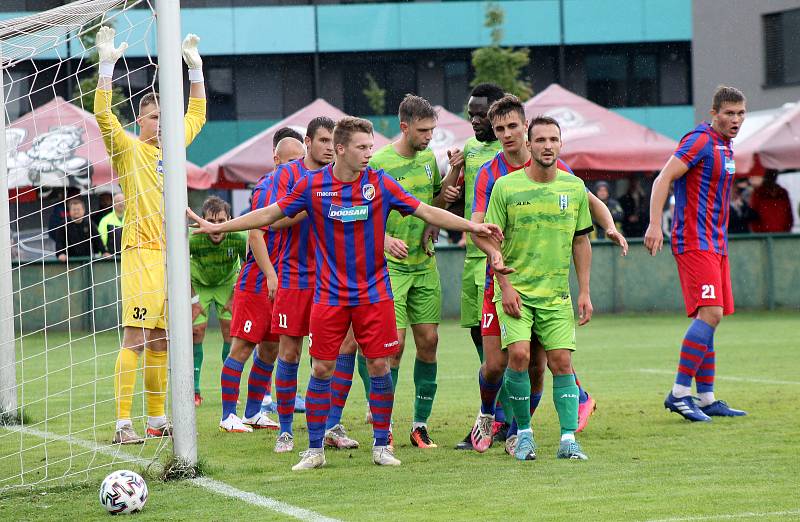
{"x":226,"y":349}
{"x":565,"y":398}
{"x":425,"y":387}
{"x":518,"y":388}
{"x":502,"y":396}
{"x":395,"y":376}
{"x":197,"y":351}
{"x":364,"y":374}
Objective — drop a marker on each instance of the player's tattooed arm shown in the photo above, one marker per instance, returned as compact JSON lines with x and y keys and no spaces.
{"x":395,"y":247}
{"x":262,"y":217}
{"x":672,"y":171}
{"x":261,"y":254}
{"x":602,"y":215}
{"x":582,"y":256}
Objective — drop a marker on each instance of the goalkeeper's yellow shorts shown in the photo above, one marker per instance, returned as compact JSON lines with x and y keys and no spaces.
{"x":144,"y":295}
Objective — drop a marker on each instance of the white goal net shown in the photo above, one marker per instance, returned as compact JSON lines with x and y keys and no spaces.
{"x":59,"y":280}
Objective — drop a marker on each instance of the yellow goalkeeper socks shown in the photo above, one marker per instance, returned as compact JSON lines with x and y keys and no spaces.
{"x":124,"y":381}
{"x":155,"y":382}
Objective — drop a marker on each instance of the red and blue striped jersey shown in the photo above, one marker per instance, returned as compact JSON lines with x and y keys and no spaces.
{"x":296,"y":266}
{"x":348,"y":220}
{"x":702,"y":195}
{"x":488,"y":174}
{"x":251,"y":279}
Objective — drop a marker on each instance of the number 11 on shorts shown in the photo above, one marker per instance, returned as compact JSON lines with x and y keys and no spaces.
{"x":282,"y":321}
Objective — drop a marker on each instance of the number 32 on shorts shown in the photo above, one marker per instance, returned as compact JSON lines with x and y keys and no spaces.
{"x":139,"y":313}
{"x":708,"y":292}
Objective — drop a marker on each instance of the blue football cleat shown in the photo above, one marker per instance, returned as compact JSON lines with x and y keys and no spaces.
{"x":721,"y":409}
{"x":299,"y":404}
{"x":686,"y":408}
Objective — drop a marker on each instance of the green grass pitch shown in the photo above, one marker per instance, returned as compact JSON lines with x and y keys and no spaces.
{"x":645,"y":463}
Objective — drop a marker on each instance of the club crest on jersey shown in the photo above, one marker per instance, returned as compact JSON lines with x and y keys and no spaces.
{"x":563,"y":201}
{"x":428,"y":171}
{"x":230,"y":252}
{"x":160,"y":167}
{"x":368,"y":191}
{"x":349,"y":214}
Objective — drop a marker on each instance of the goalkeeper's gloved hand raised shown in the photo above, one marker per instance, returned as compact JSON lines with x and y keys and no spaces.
{"x":108,"y":53}
{"x":192,"y":57}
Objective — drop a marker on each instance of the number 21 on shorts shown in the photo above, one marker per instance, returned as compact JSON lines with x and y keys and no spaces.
{"x":708,"y":292}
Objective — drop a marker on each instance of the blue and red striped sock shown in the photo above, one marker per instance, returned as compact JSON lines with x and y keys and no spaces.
{"x":705,"y":375}
{"x":489,"y":391}
{"x":257,"y":384}
{"x":318,"y":404}
{"x":699,"y":337}
{"x":229,"y":383}
{"x":340,"y":387}
{"x":536,"y":398}
{"x":381,"y":401}
{"x":285,"y":393}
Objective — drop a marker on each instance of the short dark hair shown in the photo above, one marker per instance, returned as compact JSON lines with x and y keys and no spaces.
{"x":347,"y":126}
{"x":285,"y":132}
{"x":151,"y":98}
{"x":214,"y":205}
{"x":320,"y":122}
{"x":506,"y":105}
{"x":415,"y":108}
{"x":76,"y":201}
{"x":542,"y":120}
{"x":491,"y":91}
{"x":725,"y":94}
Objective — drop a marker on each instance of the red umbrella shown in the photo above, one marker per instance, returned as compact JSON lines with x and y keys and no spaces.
{"x":597,"y":139}
{"x":775,"y":145}
{"x":252,"y":159}
{"x":60,"y":145}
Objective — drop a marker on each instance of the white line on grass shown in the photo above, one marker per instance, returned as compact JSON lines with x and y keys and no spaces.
{"x":724,"y":377}
{"x":731,"y":516}
{"x":210,"y":484}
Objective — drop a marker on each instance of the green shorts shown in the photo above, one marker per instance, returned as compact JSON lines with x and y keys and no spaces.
{"x":554,"y":328}
{"x":473,"y":281}
{"x":219,"y":295}
{"x":417,"y":297}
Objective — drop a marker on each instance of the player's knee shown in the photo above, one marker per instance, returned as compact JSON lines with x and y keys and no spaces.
{"x":198,"y":333}
{"x":378,"y":367}
{"x":322,"y":369}
{"x":289,"y":348}
{"x":559,"y":362}
{"x":241,"y":350}
{"x":518,"y":359}
{"x":268,"y":351}
{"x":711,"y":315}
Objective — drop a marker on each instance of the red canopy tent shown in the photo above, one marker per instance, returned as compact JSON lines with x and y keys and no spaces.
{"x":774,"y":142}
{"x":60,"y":145}
{"x":451,"y":131}
{"x":597,"y":141}
{"x":253,"y":158}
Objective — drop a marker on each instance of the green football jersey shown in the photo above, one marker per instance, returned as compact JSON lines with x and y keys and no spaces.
{"x":476,"y":154}
{"x":213,"y":264}
{"x":539,"y":221}
{"x":420,"y":177}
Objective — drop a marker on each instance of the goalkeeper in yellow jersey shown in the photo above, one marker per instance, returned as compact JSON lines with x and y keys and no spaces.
{"x":137,"y":163}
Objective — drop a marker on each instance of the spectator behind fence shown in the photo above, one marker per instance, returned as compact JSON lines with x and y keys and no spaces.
{"x":741,"y":215}
{"x":771,"y":204}
{"x":110,"y":227}
{"x":635,"y":208}
{"x":603,"y":193}
{"x":79,"y":237}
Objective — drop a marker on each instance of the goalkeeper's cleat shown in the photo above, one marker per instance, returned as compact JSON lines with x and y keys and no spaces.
{"x":126,"y":435}
{"x":312,"y":458}
{"x":384,"y":456}
{"x":165,"y":430}
{"x":570,"y":449}
{"x":585,"y":410}
{"x":465,"y":444}
{"x":721,"y":409}
{"x":285,"y":443}
{"x":482,"y":433}
{"x":368,"y":416}
{"x":421,"y":439}
{"x":299,"y":404}
{"x":198,"y":399}
{"x":336,"y":437}
{"x":525,"y":448}
{"x":234,"y":424}
{"x":686,"y":408}
{"x":261,"y":421}
{"x":511,"y":444}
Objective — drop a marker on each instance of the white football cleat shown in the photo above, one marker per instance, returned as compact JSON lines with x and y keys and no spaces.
{"x":312,"y":458}
{"x":383,"y":456}
{"x":234,"y":424}
{"x":261,"y":421}
{"x":336,"y":437}
{"x":285,"y":443}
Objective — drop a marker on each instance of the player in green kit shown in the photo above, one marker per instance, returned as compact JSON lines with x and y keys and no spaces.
{"x":412,"y":265}
{"x":214,"y":262}
{"x":544,"y":214}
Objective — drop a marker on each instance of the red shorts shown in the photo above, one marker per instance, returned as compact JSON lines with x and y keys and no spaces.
{"x":292,"y":311}
{"x":373,"y":327}
{"x":705,"y":280}
{"x":252,"y":314}
{"x":490,"y":326}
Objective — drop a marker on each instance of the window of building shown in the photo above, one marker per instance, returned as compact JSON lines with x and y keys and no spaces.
{"x":782,"y":47}
{"x":220,"y":92}
{"x":456,"y":85}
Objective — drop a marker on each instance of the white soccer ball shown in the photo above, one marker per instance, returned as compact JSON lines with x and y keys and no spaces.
{"x":123,"y":492}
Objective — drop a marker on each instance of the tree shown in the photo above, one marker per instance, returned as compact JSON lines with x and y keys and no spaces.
{"x":500,"y":65}
{"x":376,"y":98}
